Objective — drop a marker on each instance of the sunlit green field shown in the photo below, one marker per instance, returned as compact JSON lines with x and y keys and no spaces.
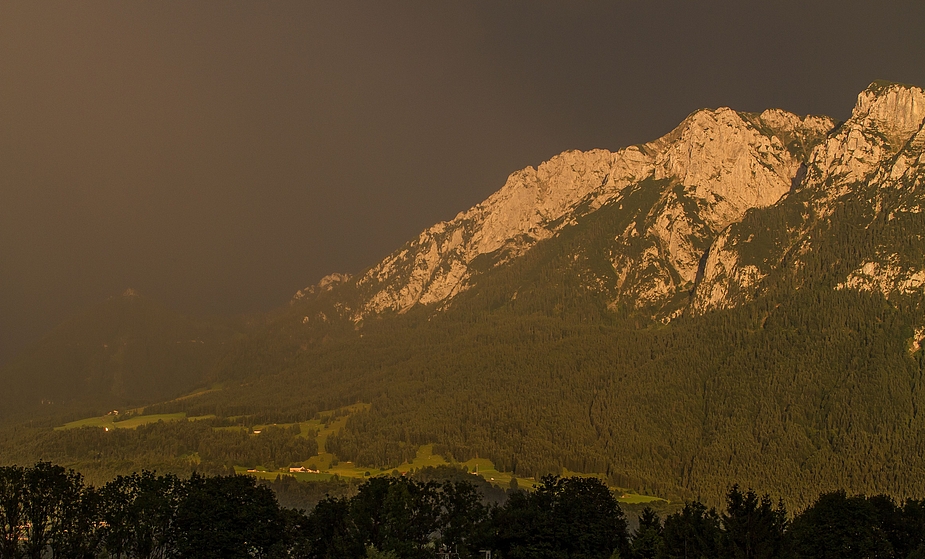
{"x":112,"y":421}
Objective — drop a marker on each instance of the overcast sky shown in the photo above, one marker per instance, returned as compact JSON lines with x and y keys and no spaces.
{"x":218,"y":156}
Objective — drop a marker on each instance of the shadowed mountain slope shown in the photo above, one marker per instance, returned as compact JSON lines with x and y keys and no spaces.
{"x":128,"y":350}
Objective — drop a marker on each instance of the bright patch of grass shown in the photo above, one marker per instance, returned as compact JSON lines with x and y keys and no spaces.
{"x":261,"y":473}
{"x":111,"y":421}
{"x":105,"y":421}
{"x":633,"y":498}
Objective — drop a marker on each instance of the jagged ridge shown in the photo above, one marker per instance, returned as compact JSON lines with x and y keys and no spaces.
{"x":704,"y":176}
{"x":875,"y":161}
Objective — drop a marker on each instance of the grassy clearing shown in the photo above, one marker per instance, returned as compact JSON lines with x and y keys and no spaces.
{"x":325,"y":423}
{"x":425,"y":457}
{"x":635,"y":498}
{"x":329,"y":423}
{"x":263,"y":473}
{"x":324,"y":462}
{"x":486,"y":468}
{"x":112,"y":421}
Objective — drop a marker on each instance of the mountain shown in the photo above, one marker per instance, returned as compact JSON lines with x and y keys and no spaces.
{"x":740,"y":300}
{"x":686,"y":195}
{"x":680,"y":192}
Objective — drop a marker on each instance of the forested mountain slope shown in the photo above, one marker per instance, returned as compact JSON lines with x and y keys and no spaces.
{"x":127,"y":350}
{"x":740,"y":299}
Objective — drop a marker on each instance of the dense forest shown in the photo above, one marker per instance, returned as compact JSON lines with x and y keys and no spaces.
{"x":47,"y":511}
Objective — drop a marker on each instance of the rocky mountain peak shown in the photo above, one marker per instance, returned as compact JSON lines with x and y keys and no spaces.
{"x":711,"y":169}
{"x":895,"y":110}
{"x":326,"y":283}
{"x":786,"y":124}
{"x":533,"y":205}
{"x":677,"y":204}
{"x":883,"y":120}
{"x":730,"y":163}
{"x":862,"y":163}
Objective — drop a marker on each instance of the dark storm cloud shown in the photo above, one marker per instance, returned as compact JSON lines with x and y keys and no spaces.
{"x":218,"y":156}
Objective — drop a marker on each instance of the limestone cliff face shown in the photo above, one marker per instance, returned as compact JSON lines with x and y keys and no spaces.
{"x":706,"y":213}
{"x":717,"y":165}
{"x":896,"y":195}
{"x":710,"y":170}
{"x":532,"y":206}
{"x":874,"y":162}
{"x":731,"y":164}
{"x":327,"y":283}
{"x":883,"y":120}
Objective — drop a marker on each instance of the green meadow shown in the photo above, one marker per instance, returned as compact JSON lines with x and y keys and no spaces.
{"x":112,"y":421}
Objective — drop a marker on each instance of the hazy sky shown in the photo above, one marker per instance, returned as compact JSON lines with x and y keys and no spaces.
{"x":218,"y":156}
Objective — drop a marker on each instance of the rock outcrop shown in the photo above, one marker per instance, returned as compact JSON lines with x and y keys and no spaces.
{"x":327,"y":283}
{"x":531,"y":207}
{"x":874,"y":162}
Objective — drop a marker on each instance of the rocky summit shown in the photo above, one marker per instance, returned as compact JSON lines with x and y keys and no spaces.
{"x":874,"y":159}
{"x":684,"y":196}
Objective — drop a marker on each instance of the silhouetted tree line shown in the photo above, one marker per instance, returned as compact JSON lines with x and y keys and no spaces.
{"x":47,"y":511}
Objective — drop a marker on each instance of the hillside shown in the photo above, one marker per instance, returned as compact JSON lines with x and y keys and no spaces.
{"x":741,"y":299}
{"x":125,"y":351}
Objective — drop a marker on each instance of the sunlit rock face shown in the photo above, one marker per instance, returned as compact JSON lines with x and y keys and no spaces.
{"x":532,"y":206}
{"x":712,"y":168}
{"x":729,"y":165}
{"x":873,"y":161}
{"x":688,"y":245}
{"x":883,"y":120}
{"x":720,"y":165}
{"x":327,"y":283}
